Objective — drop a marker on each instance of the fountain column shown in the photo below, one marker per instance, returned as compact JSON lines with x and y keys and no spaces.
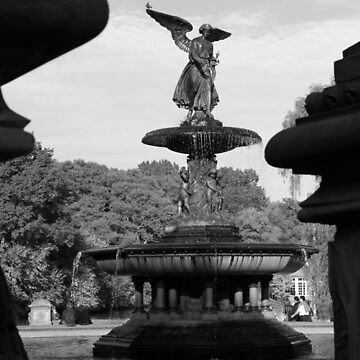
{"x":209,"y":312}
{"x":209,"y":295}
{"x":253,"y":295}
{"x":153,"y":294}
{"x":172,"y":298}
{"x":265,"y":293}
{"x":139,"y":293}
{"x":259,"y":289}
{"x":182,"y":297}
{"x":172,"y":286}
{"x":224,"y":298}
{"x":265,"y":287}
{"x":238,"y":297}
{"x":160,"y":295}
{"x":139,"y":312}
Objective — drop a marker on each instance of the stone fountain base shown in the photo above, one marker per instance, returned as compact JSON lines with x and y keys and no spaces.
{"x":210,"y":299}
{"x":252,"y":337}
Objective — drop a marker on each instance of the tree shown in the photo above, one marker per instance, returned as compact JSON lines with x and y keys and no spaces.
{"x":316,"y":234}
{"x":280,"y":287}
{"x":35,"y":226}
{"x":91,"y":212}
{"x":85,"y":288}
{"x":274,"y":223}
{"x":288,"y":122}
{"x":316,"y":271}
{"x":255,"y":226}
{"x":241,"y":190}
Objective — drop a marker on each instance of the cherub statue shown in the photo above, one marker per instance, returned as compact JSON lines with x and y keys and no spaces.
{"x":213,"y":194}
{"x":183,"y":200}
{"x":195,"y":89}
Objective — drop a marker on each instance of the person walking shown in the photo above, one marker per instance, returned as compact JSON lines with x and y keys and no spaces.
{"x":294,"y":309}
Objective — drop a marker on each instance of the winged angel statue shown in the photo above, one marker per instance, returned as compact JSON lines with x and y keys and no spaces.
{"x":195,"y":89}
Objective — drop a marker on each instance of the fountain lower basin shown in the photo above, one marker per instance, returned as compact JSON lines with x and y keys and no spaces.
{"x":202,"y":259}
{"x":209,"y":299}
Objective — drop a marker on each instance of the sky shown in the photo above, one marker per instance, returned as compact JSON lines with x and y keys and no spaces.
{"x":98,"y":101}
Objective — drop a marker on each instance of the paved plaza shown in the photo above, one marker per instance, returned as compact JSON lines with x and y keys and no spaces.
{"x":58,"y":342}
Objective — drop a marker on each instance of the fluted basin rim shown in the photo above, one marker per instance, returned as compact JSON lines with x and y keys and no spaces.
{"x":217,"y":139}
{"x":202,"y":259}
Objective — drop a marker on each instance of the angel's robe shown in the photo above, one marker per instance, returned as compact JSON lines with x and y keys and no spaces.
{"x":195,"y":89}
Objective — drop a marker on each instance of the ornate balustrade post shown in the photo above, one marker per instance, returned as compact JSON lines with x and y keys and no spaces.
{"x":326,"y":143}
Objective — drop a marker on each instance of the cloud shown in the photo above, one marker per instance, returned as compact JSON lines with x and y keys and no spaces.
{"x":98,"y":101}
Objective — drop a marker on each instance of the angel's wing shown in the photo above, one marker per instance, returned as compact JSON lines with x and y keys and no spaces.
{"x":217,"y":34}
{"x":176,"y":25}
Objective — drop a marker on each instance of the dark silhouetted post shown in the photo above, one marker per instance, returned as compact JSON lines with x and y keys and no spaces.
{"x":33,"y":33}
{"x":326,"y":143}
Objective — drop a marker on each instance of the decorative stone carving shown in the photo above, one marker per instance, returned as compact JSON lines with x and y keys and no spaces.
{"x":40,"y":313}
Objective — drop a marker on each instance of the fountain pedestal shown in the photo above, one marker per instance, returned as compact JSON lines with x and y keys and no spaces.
{"x":209,"y":290}
{"x":210,"y":300}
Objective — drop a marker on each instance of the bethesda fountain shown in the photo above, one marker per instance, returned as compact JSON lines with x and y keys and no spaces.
{"x":210,"y":289}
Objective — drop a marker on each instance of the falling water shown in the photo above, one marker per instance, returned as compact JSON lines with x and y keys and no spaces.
{"x":75,"y":266}
{"x":113,"y":304}
{"x":305,"y":256}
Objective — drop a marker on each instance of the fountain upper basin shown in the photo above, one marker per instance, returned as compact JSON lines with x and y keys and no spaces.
{"x":202,"y":259}
{"x":200,"y":140}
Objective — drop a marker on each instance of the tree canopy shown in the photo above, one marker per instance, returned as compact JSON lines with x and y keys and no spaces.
{"x":51,"y":211}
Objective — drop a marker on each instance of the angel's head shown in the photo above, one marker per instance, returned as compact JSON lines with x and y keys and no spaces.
{"x":205,"y":28}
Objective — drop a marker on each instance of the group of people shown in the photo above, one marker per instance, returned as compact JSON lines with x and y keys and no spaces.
{"x":299,"y":311}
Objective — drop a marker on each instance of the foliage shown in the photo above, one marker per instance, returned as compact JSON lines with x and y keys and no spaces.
{"x":278,"y":223}
{"x":29,"y":273}
{"x":35,"y":226}
{"x":275,"y":223}
{"x":279,"y":287}
{"x":85,"y":285}
{"x":117,"y":292}
{"x":241,"y":189}
{"x":255,"y":226}
{"x":289,"y":121}
{"x":315,"y":234}
{"x":50,"y":211}
{"x":316,"y":271}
